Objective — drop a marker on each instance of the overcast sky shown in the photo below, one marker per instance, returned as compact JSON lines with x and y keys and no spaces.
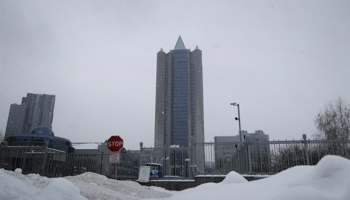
{"x":280,"y":60}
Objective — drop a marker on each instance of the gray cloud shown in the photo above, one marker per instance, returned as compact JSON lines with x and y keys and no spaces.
{"x":280,"y":60}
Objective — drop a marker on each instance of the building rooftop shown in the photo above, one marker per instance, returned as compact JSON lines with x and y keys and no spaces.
{"x":179,"y":44}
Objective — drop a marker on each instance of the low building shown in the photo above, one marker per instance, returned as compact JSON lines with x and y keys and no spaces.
{"x":38,"y":137}
{"x":227,"y":147}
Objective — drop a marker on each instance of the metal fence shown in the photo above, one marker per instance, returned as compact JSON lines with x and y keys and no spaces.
{"x":248,"y":157}
{"x":53,"y":163}
{"x":174,"y":160}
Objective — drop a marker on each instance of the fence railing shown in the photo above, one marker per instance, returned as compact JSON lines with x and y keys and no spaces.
{"x":53,"y":163}
{"x":248,"y":157}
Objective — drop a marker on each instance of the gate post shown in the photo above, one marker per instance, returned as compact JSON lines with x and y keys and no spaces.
{"x":192,"y":159}
{"x":306,"y":150}
{"x":249,"y":156}
{"x":45,"y":155}
{"x":141,"y":144}
{"x":24,"y":159}
{"x":101,"y":163}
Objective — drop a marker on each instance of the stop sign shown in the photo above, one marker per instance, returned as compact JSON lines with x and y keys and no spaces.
{"x":115,"y":143}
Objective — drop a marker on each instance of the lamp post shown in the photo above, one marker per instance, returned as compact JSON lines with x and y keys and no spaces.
{"x":239,"y":120}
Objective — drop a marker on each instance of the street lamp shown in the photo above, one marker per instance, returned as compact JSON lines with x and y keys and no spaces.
{"x":239,"y":120}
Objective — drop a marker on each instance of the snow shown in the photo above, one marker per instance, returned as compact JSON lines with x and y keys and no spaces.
{"x":234,"y":177}
{"x":14,"y":185}
{"x":85,"y":145}
{"x":95,"y":186}
{"x":328,"y":180}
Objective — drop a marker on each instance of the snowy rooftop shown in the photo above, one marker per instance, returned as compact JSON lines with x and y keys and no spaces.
{"x":86,"y":145}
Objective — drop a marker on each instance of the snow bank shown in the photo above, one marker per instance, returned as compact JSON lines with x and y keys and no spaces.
{"x":94,"y":186}
{"x":15,"y":185}
{"x":328,"y":180}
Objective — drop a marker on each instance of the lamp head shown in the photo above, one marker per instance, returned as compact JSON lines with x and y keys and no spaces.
{"x":233,"y":104}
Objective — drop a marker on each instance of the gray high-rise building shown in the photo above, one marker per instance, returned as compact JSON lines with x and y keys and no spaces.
{"x":35,"y":110}
{"x":179,"y":115}
{"x":16,"y":120}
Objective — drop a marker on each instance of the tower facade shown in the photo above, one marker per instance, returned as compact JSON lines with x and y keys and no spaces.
{"x":35,"y":110}
{"x":16,"y":120}
{"x":179,"y":113}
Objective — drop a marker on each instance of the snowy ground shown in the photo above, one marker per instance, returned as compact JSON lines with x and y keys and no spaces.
{"x":329,"y":179}
{"x":94,"y":186}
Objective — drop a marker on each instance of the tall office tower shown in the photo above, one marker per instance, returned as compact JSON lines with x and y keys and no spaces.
{"x":179,"y":113}
{"x":39,"y":110}
{"x":16,"y":119}
{"x":35,"y":110}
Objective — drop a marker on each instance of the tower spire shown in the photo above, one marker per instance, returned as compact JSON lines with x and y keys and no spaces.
{"x":179,"y":44}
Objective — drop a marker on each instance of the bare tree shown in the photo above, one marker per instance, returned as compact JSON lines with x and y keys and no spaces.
{"x":333,"y":122}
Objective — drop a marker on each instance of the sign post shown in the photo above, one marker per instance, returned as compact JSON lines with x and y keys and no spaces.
{"x":114,"y":144}
{"x":114,"y":157}
{"x":144,"y":174}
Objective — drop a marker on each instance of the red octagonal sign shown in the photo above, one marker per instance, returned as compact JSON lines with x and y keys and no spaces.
{"x":115,"y":143}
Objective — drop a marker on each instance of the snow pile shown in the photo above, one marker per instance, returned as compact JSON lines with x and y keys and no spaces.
{"x":233,"y":177}
{"x":94,"y":186}
{"x":328,"y":180}
{"x":15,"y":185}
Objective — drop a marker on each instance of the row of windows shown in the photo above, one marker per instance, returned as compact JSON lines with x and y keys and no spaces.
{"x":165,"y":101}
{"x":192,"y":106}
{"x":180,"y":69}
{"x":179,"y":75}
{"x":180,"y":112}
{"x":180,"y":118}
{"x":180,"y":134}
{"x":180,"y":78}
{"x":180,"y":127}
{"x":180,"y":86}
{"x":178,"y":55}
{"x":181,"y":62}
{"x":179,"y":96}
{"x":180,"y":107}
{"x":179,"y":93}
{"x":179,"y":104}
